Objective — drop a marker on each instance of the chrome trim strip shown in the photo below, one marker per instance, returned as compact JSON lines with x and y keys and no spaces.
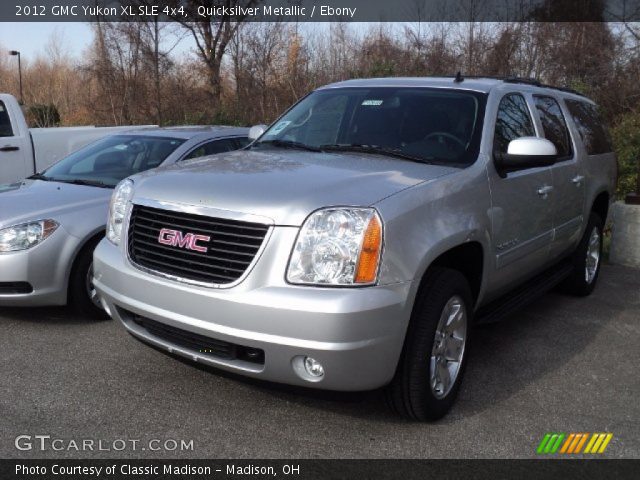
{"x":204,"y":210}
{"x":569,"y":228}
{"x":209,"y":212}
{"x":524,"y":248}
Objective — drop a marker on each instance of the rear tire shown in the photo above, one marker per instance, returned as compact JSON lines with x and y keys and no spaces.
{"x":433,"y":359}
{"x":82,"y":295}
{"x":586,"y":260}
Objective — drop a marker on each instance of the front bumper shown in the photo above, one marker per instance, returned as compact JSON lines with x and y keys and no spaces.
{"x":44,"y":268}
{"x":356,"y":333}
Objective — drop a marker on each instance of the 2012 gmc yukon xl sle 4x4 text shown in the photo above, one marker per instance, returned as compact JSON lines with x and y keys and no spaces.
{"x":355,"y":242}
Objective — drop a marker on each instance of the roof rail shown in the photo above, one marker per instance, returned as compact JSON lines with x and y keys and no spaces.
{"x":526,"y":81}
{"x":523,"y":80}
{"x":565,"y":89}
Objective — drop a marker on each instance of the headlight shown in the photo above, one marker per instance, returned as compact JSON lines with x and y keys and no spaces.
{"x":337,"y":246}
{"x":26,"y":235}
{"x":117,"y":209}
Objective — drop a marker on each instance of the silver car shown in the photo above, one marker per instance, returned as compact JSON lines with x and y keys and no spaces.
{"x":51,"y":222}
{"x":356,"y":241}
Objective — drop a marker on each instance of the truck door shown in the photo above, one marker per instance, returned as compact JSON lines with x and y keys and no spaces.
{"x":522,"y":213}
{"x":568,"y":179}
{"x":13,"y":150}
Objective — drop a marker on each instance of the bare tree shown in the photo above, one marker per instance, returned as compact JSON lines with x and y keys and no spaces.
{"x":159,"y":39}
{"x":212,"y":37}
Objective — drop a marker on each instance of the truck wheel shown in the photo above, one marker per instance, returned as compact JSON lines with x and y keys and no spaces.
{"x":432,"y":364}
{"x":82,"y":293}
{"x":586,"y":260}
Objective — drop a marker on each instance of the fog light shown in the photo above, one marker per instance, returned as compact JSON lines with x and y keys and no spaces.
{"x":313,"y":367}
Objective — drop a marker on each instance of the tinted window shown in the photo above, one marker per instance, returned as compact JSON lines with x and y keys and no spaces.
{"x":554,"y":125}
{"x":113,"y":158}
{"x":593,"y":133}
{"x":242,"y":141}
{"x":211,"y":148}
{"x":513,"y":121}
{"x":5,"y":124}
{"x":435,"y":125}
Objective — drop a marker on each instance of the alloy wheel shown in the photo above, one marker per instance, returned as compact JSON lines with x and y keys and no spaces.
{"x":593,"y":256}
{"x":448,"y":347}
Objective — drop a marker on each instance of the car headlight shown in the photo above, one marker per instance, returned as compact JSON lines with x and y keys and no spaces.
{"x":26,"y":235}
{"x":117,"y":210}
{"x":337,"y":246}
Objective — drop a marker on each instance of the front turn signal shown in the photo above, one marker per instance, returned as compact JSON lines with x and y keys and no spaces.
{"x":369,"y":261}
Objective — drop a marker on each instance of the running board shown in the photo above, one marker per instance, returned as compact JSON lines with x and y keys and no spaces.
{"x":533,"y":289}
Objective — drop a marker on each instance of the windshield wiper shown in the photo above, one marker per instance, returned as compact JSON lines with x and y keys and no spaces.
{"x":38,"y":176}
{"x":290,"y":144}
{"x":88,"y":183}
{"x":374,"y":149}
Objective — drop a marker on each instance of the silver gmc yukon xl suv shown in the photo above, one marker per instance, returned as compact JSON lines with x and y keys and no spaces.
{"x":355,"y":243}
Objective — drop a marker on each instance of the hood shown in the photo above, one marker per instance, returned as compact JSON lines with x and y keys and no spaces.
{"x":37,"y":200}
{"x":283,"y":185}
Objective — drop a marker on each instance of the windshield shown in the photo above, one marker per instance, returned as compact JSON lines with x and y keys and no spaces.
{"x":423,"y":124}
{"x":111,"y":159}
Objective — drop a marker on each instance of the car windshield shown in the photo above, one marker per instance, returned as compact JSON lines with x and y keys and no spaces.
{"x":429,"y":125}
{"x":105,"y":162}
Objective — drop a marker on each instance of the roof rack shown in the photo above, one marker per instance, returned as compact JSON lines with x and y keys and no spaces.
{"x":522,"y":80}
{"x":565,"y":89}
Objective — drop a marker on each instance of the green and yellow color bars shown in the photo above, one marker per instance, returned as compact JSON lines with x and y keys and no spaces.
{"x":574,"y":443}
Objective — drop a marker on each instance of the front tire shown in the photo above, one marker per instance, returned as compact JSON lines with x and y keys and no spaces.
{"x":433,"y":360}
{"x":82,"y":294}
{"x":586,"y":260}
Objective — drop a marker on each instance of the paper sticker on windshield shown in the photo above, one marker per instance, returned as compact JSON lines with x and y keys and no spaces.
{"x":279,"y":127}
{"x":372,"y":103}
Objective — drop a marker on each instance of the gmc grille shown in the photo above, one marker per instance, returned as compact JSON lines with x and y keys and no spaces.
{"x":232,"y":247}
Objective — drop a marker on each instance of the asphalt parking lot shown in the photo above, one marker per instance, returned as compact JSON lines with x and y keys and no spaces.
{"x":561,"y":365}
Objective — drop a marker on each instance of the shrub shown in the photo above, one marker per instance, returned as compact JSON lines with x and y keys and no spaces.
{"x":43,"y":115}
{"x":626,"y":140}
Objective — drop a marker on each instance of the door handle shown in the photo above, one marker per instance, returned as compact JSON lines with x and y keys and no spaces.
{"x":545,"y":191}
{"x":9,"y":148}
{"x":577,"y":180}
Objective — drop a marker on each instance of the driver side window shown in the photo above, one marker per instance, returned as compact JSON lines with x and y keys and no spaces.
{"x":513,"y":121}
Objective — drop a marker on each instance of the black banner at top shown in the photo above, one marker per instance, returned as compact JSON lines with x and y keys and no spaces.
{"x":321,"y":10}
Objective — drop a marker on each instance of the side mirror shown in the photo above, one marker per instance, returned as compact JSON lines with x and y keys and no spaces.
{"x":524,"y":153}
{"x":256,"y":132}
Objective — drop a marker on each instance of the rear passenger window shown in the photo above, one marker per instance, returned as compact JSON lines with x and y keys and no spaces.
{"x":594,"y":135}
{"x":553,"y":124}
{"x":513,"y":122}
{"x":5,"y":123}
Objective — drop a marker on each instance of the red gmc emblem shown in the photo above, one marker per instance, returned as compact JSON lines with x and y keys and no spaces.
{"x":189,"y":241}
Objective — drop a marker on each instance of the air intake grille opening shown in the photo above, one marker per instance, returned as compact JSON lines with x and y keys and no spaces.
{"x":15,"y":288}
{"x":206,"y":346}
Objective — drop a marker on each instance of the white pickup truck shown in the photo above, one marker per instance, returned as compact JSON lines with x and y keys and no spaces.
{"x":25,"y":151}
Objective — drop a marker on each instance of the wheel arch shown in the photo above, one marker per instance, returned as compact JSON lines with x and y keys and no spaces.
{"x":601,"y":205}
{"x":94,"y":236}
{"x":468,"y":258}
